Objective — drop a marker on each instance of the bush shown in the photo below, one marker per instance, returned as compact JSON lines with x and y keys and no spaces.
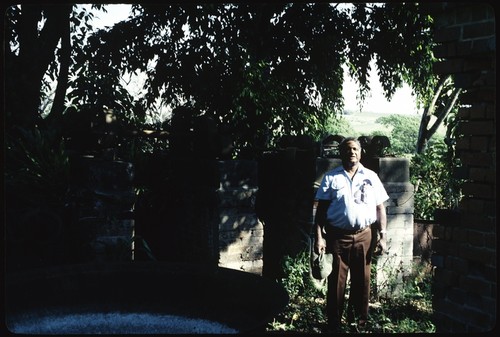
{"x":431,"y":173}
{"x":409,"y":312}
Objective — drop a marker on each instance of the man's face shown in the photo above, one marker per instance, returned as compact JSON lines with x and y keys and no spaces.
{"x":351,"y":154}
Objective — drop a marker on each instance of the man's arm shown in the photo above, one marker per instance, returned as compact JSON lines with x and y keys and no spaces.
{"x":382,"y":227}
{"x":319,"y":225}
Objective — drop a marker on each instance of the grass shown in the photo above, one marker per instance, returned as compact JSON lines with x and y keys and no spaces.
{"x":408,"y":312}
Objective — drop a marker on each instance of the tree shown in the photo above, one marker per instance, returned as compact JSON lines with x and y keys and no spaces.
{"x":38,"y":50}
{"x":269,"y":66}
{"x":403,"y":134}
{"x":443,"y":101}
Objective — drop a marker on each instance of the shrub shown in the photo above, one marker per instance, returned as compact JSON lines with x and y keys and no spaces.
{"x":409,"y":312}
{"x":431,"y":173}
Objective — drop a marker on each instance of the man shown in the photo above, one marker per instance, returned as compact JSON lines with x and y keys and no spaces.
{"x":350,"y":205}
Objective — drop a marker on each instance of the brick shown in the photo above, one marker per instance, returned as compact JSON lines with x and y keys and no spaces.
{"x":463,"y":48}
{"x":233,"y":218}
{"x":491,"y":111}
{"x":241,"y":238}
{"x":486,"y":48}
{"x":482,"y":11}
{"x":490,"y":242}
{"x":447,"y":34}
{"x":463,"y":143}
{"x":437,"y":231}
{"x":448,"y":262}
{"x":394,"y":170}
{"x":474,"y":300}
{"x":254,"y":267}
{"x":477,"y":320}
{"x":249,"y":253}
{"x":478,"y":30}
{"x":455,"y":248}
{"x":476,"y":238}
{"x":490,"y":207}
{"x":445,"y":322}
{"x":477,"y":159}
{"x":441,"y":246}
{"x":463,"y":113}
{"x":404,"y":198}
{"x":459,"y":235}
{"x":466,"y":79}
{"x":398,"y":189}
{"x":437,"y":260}
{"x":444,"y":50}
{"x":448,"y":66}
{"x":477,"y":111}
{"x":481,"y":221}
{"x":457,"y":296}
{"x":460,"y":265}
{"x":475,"y":285}
{"x":489,"y":304}
{"x":481,"y":174}
{"x":409,"y":209}
{"x":238,"y":173}
{"x":456,"y":311}
{"x":472,"y":12}
{"x":446,"y":277}
{"x":478,"y":190}
{"x":478,"y":254}
{"x":400,"y":221}
{"x":488,"y":273}
{"x":475,"y":95}
{"x":460,"y":172}
{"x":476,"y":64}
{"x":237,"y":197}
{"x":476,"y":128}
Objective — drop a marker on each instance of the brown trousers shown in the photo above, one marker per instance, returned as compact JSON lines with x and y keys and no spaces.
{"x":352,"y":253}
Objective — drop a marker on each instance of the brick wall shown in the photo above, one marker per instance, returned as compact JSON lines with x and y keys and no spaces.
{"x":464,"y":243}
{"x":241,"y":232}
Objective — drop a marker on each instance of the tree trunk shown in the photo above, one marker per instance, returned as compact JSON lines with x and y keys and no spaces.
{"x":64,"y":61}
{"x":425,"y":132}
{"x":36,"y":52}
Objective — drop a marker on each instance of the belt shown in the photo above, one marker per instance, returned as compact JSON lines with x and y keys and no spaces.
{"x":349,"y":231}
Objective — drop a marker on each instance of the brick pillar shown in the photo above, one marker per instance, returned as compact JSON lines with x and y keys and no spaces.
{"x":464,"y":243}
{"x":241,"y":233}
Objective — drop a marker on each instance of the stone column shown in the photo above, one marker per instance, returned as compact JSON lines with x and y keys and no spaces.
{"x":391,"y":267}
{"x":241,"y":233}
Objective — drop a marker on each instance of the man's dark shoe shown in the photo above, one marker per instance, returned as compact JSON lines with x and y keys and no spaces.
{"x":362,"y":326}
{"x":333,"y":327}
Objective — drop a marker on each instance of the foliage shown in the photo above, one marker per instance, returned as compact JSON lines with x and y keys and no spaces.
{"x":409,"y":312}
{"x":431,"y":173}
{"x":272,"y":68}
{"x":445,"y":102}
{"x":37,"y":167}
{"x":304,"y":313}
{"x":44,"y":30}
{"x":403,"y":134}
{"x":339,"y":125}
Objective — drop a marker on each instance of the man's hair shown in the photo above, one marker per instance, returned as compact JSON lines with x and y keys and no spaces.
{"x":343,"y":144}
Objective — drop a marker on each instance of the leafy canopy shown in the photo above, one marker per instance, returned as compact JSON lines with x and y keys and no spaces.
{"x":267,"y":67}
{"x":264,"y":69}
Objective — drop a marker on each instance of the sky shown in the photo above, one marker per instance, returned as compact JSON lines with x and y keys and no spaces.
{"x":402,"y":102}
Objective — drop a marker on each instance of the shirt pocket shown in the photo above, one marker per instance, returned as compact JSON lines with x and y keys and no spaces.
{"x":339,"y":189}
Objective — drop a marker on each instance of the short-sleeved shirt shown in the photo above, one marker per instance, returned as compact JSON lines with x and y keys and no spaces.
{"x":353,"y":202}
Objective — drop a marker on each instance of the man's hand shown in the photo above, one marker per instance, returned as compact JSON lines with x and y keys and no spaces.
{"x":381,"y":245}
